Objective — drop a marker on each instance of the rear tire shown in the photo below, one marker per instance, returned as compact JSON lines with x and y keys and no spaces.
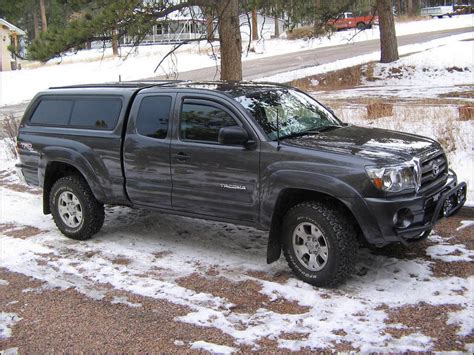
{"x":361,"y":26}
{"x":76,"y":212}
{"x":319,"y":244}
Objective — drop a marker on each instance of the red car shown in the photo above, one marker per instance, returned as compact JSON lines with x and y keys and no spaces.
{"x":347,"y":20}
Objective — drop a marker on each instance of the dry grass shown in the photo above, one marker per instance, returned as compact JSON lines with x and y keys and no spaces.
{"x":406,"y":18}
{"x":469,"y":94}
{"x":9,"y":128}
{"x":466,"y":113}
{"x":336,"y":80}
{"x":379,"y":109}
{"x":121,"y":260}
{"x":301,"y":32}
{"x":307,"y":32}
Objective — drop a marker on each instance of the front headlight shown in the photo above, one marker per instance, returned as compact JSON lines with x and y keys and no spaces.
{"x":396,"y":178}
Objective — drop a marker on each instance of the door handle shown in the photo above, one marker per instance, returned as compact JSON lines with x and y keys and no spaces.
{"x":181,"y":156}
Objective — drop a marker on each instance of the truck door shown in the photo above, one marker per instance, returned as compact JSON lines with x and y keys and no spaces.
{"x":210,"y":178}
{"x":146,"y":151}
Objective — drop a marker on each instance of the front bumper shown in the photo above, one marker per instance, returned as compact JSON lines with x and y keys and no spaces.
{"x":425,"y":211}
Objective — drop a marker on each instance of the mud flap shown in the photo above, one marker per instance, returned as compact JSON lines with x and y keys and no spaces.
{"x":274,"y":245}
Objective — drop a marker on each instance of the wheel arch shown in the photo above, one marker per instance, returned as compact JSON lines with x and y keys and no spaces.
{"x":290,"y":197}
{"x":56,"y":169}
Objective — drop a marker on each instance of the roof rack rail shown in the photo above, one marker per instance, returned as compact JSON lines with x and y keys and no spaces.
{"x":122,"y":84}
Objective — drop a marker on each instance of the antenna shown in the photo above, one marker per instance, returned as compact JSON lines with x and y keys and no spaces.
{"x":278,"y":131}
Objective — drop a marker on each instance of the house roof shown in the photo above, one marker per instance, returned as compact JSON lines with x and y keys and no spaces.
{"x":11,"y":27}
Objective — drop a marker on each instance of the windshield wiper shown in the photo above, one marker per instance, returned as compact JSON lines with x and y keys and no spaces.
{"x":326,"y":128}
{"x":311,"y":131}
{"x":297,"y":134}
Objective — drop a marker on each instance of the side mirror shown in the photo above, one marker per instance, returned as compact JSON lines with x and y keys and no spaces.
{"x":233,"y":135}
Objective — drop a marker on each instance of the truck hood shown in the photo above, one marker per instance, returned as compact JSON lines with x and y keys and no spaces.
{"x":374,"y":144}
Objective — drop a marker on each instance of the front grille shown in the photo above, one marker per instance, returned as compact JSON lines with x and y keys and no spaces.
{"x":434,"y":171}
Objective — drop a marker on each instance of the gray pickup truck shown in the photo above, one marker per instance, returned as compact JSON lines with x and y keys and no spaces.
{"x":263,"y":155}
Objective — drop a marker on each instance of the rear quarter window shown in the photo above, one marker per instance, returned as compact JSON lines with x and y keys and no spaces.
{"x":99,"y":113}
{"x":52,"y":112}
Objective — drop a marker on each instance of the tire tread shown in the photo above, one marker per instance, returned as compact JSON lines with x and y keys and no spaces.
{"x":90,"y":204}
{"x":345,"y":238}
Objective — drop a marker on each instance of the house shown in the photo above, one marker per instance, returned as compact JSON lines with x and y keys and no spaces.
{"x":9,"y":35}
{"x":180,"y":26}
{"x":191,"y":24}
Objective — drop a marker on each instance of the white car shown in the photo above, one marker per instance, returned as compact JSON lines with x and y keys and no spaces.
{"x":438,"y":11}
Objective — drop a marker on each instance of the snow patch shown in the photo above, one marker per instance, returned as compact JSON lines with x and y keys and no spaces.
{"x":7,"y":320}
{"x":465,"y":224}
{"x":212,"y":348}
{"x":464,"y":319}
{"x":125,"y":301}
{"x":450,"y":253}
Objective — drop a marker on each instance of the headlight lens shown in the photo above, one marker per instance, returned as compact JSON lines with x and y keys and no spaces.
{"x":396,"y":178}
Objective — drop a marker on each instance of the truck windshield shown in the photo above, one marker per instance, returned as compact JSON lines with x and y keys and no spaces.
{"x":288,"y":111}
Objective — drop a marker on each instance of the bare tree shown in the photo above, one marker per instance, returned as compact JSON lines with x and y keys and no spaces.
{"x":388,"y":36}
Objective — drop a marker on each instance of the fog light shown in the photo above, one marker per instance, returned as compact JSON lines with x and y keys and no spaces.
{"x":403,"y":218}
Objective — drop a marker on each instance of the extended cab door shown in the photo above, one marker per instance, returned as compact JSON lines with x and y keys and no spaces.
{"x":146,"y":150}
{"x":210,"y":178}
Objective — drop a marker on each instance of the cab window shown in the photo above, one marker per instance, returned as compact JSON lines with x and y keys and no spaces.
{"x":201,"y":122}
{"x":153,"y":116}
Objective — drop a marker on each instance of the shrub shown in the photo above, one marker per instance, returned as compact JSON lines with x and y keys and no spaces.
{"x":9,"y":127}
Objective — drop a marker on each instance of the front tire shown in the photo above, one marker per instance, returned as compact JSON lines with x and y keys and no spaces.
{"x":76,"y":212}
{"x":319,"y":244}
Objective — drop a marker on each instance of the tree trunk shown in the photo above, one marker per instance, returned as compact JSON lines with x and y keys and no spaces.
{"x":115,"y":43}
{"x":410,"y":8}
{"x":277,"y":27}
{"x":388,"y":36}
{"x":44,"y":22}
{"x":36,"y":24}
{"x":317,"y":7}
{"x":230,"y":40}
{"x":254,"y":25}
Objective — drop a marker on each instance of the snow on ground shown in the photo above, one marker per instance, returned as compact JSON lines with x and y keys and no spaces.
{"x":465,"y":224}
{"x":7,"y":320}
{"x":447,"y":67}
{"x":161,"y":249}
{"x":97,"y":66}
{"x":375,"y":56}
{"x":212,"y":348}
